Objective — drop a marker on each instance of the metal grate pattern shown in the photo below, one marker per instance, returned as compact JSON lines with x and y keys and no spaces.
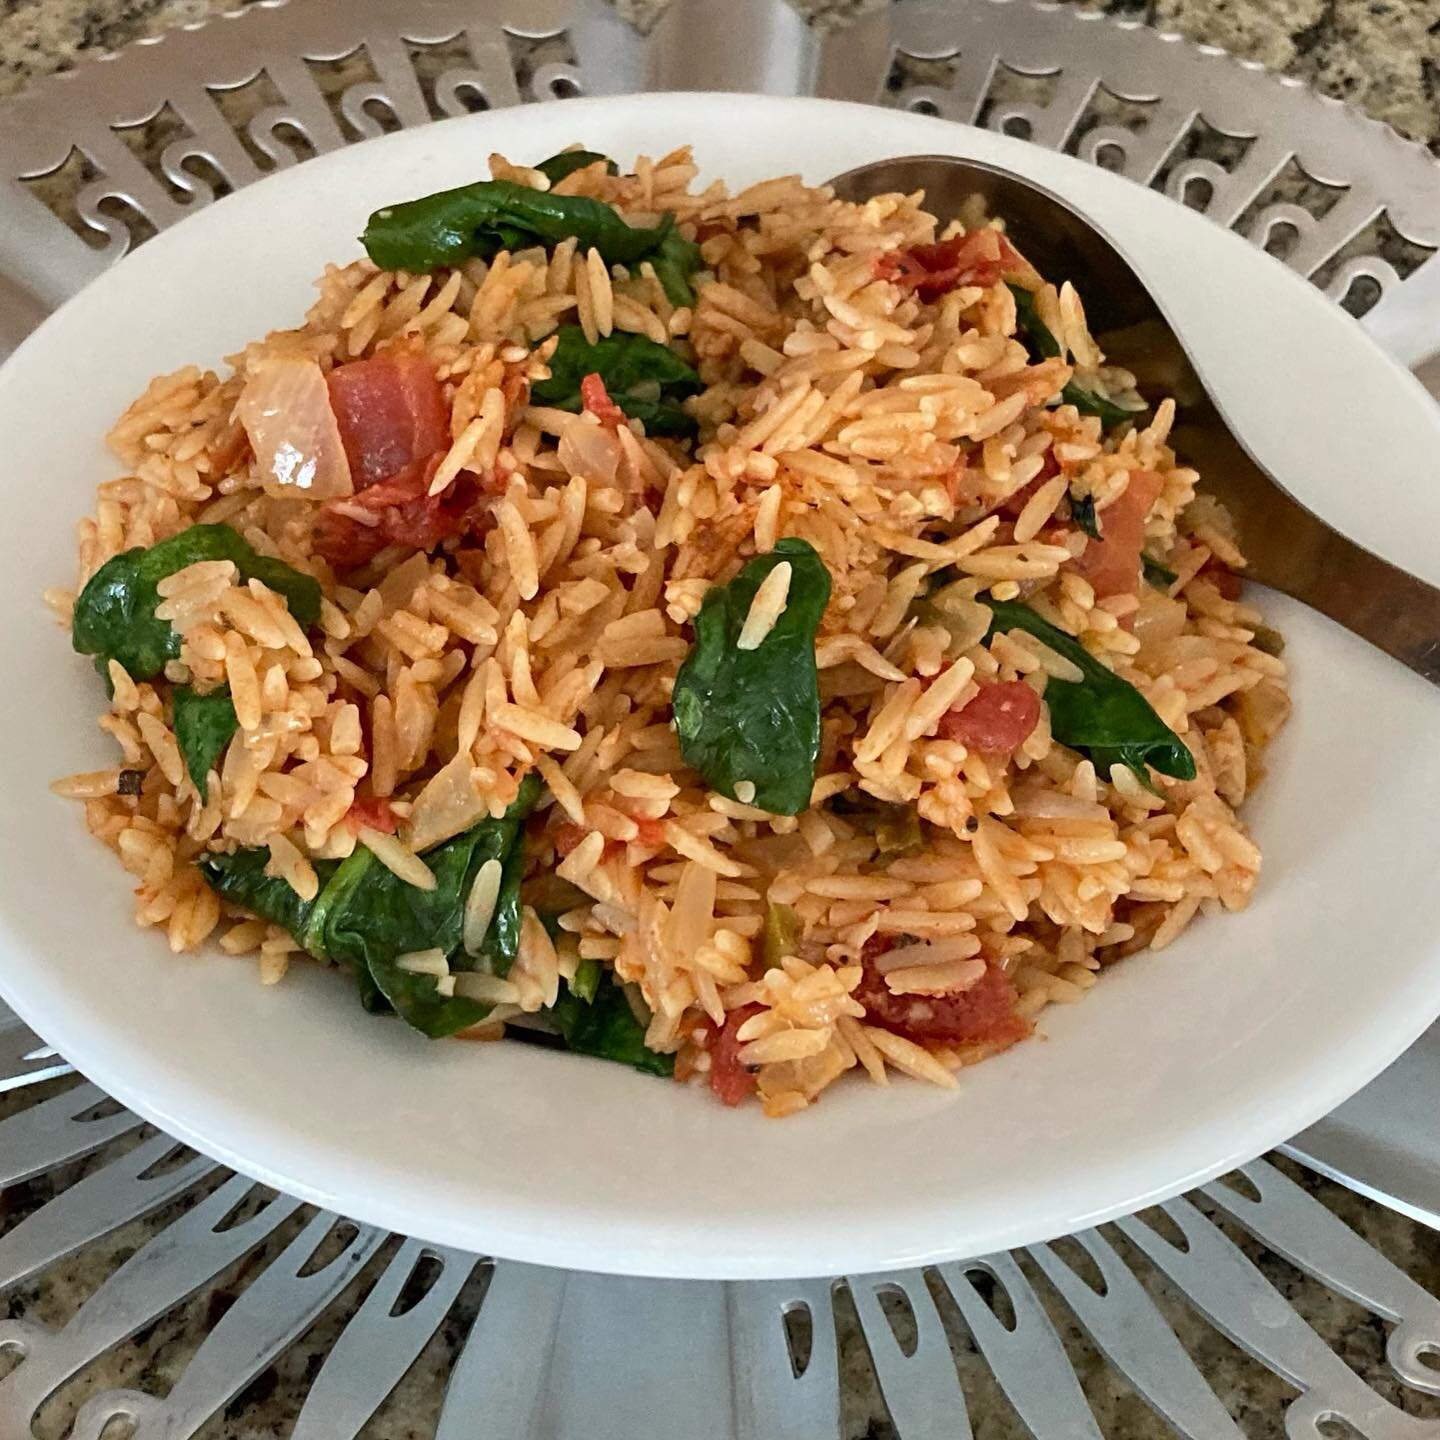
{"x":362,"y":1332}
{"x":152,"y":1292}
{"x":170,"y":125}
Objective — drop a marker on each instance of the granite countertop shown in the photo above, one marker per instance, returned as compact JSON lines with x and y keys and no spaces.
{"x":1382,"y":56}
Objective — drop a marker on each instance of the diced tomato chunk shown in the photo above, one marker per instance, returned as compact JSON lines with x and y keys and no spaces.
{"x":595,"y":399}
{"x":515,"y":391}
{"x":1112,"y":563}
{"x":1049,"y":468}
{"x":1226,"y":582}
{"x":983,"y":1014}
{"x":999,"y":719}
{"x":404,"y":513}
{"x":729,"y":1079}
{"x":1015,"y":266}
{"x":934,"y":270}
{"x":373,"y":812}
{"x":652,"y":833}
{"x":391,"y":412}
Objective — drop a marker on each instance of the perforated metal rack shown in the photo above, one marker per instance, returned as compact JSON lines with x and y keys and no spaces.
{"x":150,"y":1285}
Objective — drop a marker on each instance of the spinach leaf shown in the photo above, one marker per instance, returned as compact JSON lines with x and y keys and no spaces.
{"x":417,"y":1001}
{"x":1102,"y":716}
{"x":241,"y":879}
{"x":567,"y":162}
{"x":114,"y":617}
{"x":369,"y":915}
{"x":493,"y":215}
{"x":366,"y":917}
{"x":896,"y":827}
{"x":204,"y":726}
{"x":587,"y":979}
{"x":1044,"y":345}
{"x":1162,"y":577}
{"x":1089,"y":403}
{"x":605,"y":1026}
{"x":754,"y":715}
{"x":630,"y":365}
{"x":1082,"y":512}
{"x":502,"y":939}
{"x":1029,"y":324}
{"x":676,"y":261}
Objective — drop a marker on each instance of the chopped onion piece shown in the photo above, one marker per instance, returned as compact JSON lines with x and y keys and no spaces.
{"x":285,"y":409}
{"x":589,"y":450}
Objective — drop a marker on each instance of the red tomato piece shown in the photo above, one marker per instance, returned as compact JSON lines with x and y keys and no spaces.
{"x":1112,"y":563}
{"x":1050,"y":467}
{"x":404,"y":512}
{"x":391,"y":412}
{"x":515,"y":391}
{"x":999,"y":719}
{"x":934,"y":270}
{"x":1226,"y":582}
{"x":729,"y":1079}
{"x":373,"y":812}
{"x":595,"y":399}
{"x":983,"y":1014}
{"x":652,"y":834}
{"x":1014,"y":266}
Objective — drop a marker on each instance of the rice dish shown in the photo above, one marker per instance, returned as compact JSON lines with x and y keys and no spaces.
{"x":748,"y":637}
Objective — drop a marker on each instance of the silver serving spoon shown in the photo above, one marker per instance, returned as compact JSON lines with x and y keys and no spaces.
{"x":1288,"y":546}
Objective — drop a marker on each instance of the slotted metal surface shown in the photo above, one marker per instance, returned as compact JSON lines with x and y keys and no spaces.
{"x":149,"y":1286}
{"x":508,"y":1350}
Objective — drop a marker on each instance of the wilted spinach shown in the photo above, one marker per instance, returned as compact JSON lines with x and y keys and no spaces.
{"x":493,"y":215}
{"x":644,"y":379}
{"x":1162,"y":577}
{"x":204,"y":726}
{"x":114,"y":616}
{"x":1102,"y":716}
{"x":502,"y":939}
{"x":896,"y":827}
{"x":605,"y":1026}
{"x":754,"y":715}
{"x":586,"y":980}
{"x":240,"y":878}
{"x":1089,"y":403}
{"x":567,"y":162}
{"x":418,"y":1002}
{"x":366,"y":917}
{"x":1082,"y":512}
{"x":676,"y":260}
{"x":1044,"y":345}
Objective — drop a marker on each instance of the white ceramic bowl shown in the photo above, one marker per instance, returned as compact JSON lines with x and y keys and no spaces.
{"x":1176,"y":1067}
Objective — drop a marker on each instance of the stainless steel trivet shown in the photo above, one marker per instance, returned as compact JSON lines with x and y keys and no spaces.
{"x":347,"y":1328}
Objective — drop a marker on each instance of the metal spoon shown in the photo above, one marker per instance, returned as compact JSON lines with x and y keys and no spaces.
{"x":1288,"y":547}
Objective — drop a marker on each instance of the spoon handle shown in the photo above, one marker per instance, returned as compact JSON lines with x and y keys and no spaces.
{"x":1370,"y":597}
{"x":1292,"y":550}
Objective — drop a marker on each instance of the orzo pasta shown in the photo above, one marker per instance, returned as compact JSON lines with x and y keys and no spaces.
{"x":746,"y":636}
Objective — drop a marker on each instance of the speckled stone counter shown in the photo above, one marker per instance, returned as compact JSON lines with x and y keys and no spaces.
{"x":1381,"y":55}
